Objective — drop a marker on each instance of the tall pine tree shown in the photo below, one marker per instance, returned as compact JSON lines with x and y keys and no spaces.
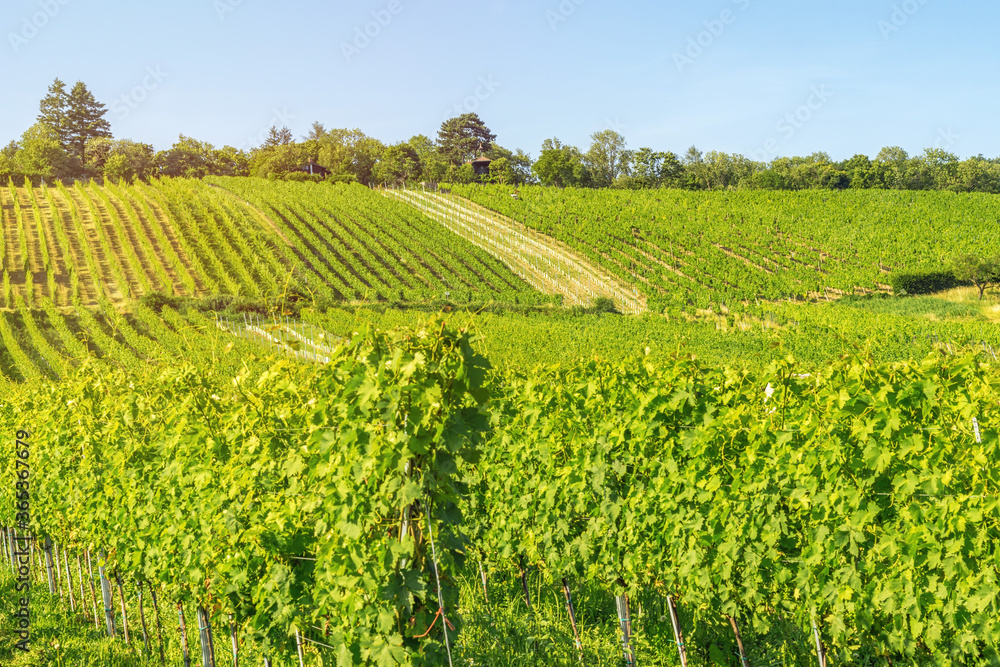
{"x":52,"y":111}
{"x":84,"y":120}
{"x":75,"y":117}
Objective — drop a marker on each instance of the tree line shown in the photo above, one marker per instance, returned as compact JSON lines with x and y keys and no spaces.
{"x":609,"y":163}
{"x":71,"y":139}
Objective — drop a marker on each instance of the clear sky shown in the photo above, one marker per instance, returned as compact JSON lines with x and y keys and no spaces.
{"x":757,"y":77}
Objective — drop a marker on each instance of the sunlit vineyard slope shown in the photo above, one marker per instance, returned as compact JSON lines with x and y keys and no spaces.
{"x":354,"y":244}
{"x":704,"y":248}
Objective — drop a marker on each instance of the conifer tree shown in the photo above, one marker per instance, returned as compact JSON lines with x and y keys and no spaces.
{"x":462,"y":138}
{"x":84,"y":120}
{"x":52,"y":111}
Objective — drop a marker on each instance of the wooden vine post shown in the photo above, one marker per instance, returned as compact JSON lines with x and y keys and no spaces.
{"x":36,"y":552}
{"x":8,"y":534}
{"x":7,"y":552}
{"x":69,"y":581}
{"x":79,"y":572}
{"x":142,"y":619}
{"x":121,"y":598}
{"x":48,"y":565}
{"x":159,"y":624}
{"x":54,"y":553}
{"x":739,"y":642}
{"x":93,"y":592}
{"x":524,"y":584}
{"x":482,"y":575}
{"x":182,"y":627}
{"x":572,"y":619}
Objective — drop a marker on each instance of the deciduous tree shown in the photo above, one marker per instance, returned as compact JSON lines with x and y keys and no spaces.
{"x":40,"y":154}
{"x":608,"y":157}
{"x":980,"y":270}
{"x":398,"y":164}
{"x":561,"y":165}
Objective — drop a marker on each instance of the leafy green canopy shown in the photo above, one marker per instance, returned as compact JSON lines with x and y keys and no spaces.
{"x":859,"y":495}
{"x":299,"y":497}
{"x":976,"y":268}
{"x":462,"y":138}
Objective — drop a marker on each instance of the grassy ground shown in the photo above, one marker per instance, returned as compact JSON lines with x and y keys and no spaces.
{"x":64,"y":638}
{"x":500,"y":632}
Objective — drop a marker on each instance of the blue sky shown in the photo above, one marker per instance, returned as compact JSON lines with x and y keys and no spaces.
{"x":759,"y":77}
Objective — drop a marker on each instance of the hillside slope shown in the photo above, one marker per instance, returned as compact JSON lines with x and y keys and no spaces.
{"x":86,"y":244}
{"x":547,"y":264}
{"x":350,"y":243}
{"x":700,"y":248}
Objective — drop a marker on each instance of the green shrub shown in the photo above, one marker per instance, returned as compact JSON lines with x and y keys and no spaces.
{"x":156,"y":301}
{"x":923,"y":282}
{"x":341,"y":178}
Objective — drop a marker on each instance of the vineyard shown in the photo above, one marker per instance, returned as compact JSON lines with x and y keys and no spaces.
{"x":547,"y":265}
{"x":87,"y":244}
{"x":814,"y":334}
{"x":78,"y":261}
{"x":48,"y":342}
{"x":723,"y":248}
{"x":250,"y":427}
{"x":338,"y":506}
{"x":360,"y":246}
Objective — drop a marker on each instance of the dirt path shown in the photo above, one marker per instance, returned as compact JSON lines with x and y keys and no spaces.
{"x":541,"y":261}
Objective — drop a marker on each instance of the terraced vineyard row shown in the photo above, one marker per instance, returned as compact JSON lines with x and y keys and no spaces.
{"x":46,"y":342}
{"x":84,"y":244}
{"x":351,"y":243}
{"x":682,"y":247}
